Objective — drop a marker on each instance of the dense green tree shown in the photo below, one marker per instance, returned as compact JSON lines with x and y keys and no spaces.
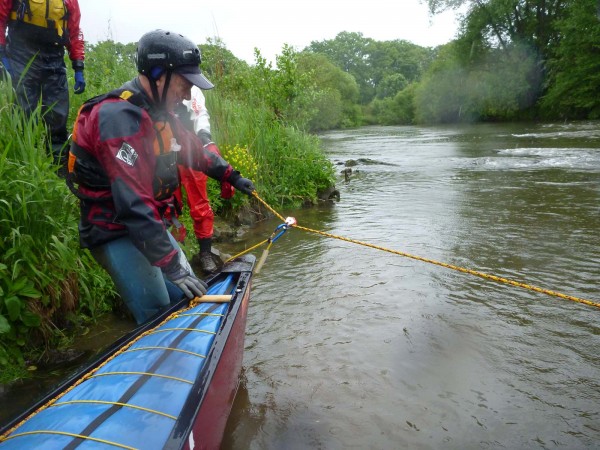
{"x":352,"y":53}
{"x":502,"y":51}
{"x":441,"y":95}
{"x":496,"y":87}
{"x":574,"y":69}
{"x":399,"y":57}
{"x":404,"y":105}
{"x":391,"y":85}
{"x":373,"y":62}
{"x":498,"y":23}
{"x":338,"y":92}
{"x":396,"y":110}
{"x":501,"y":22}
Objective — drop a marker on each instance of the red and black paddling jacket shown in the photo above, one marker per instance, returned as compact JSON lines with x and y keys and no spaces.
{"x":123,"y":159}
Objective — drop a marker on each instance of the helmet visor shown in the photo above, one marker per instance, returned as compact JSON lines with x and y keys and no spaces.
{"x":194,"y":76}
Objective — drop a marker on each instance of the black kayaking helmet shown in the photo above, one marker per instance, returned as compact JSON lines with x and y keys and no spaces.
{"x":161,"y":51}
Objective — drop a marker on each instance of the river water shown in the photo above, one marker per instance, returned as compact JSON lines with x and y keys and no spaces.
{"x":353,"y":347}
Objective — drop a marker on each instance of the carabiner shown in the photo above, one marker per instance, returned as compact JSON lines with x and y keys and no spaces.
{"x":290,"y":221}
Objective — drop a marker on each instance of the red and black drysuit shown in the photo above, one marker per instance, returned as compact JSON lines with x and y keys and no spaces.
{"x":123,"y":160}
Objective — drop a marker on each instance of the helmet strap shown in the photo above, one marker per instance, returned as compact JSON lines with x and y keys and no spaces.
{"x":160,"y":101}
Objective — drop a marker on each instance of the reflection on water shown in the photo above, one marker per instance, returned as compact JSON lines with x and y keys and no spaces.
{"x":351,"y":347}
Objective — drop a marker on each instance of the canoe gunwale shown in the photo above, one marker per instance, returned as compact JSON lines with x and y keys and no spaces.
{"x":194,"y":402}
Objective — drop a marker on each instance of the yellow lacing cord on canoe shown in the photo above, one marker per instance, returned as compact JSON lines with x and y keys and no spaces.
{"x":85,"y":377}
{"x":437,"y":263}
{"x":169,"y":349}
{"x":149,"y":374}
{"x":194,"y":302}
{"x":75,"y":435}
{"x":185,"y":329}
{"x":125,"y":405}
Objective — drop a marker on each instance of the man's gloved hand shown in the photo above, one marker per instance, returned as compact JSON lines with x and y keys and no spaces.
{"x":79,"y":82}
{"x":4,"y":63}
{"x":244,"y":185}
{"x":184,"y":280}
{"x":241,"y":184}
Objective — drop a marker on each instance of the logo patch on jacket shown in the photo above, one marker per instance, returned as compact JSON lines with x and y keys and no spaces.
{"x":127,"y":154}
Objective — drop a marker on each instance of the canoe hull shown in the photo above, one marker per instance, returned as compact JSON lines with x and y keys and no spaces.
{"x":170,"y":384}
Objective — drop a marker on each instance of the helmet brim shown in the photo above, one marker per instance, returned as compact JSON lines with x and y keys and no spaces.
{"x":194,"y":76}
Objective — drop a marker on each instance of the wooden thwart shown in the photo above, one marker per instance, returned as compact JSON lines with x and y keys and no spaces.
{"x":213,"y":299}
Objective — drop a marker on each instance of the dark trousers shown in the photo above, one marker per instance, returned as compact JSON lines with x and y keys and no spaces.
{"x":40,"y":77}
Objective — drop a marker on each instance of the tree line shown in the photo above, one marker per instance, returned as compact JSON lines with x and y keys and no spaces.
{"x":511,"y":60}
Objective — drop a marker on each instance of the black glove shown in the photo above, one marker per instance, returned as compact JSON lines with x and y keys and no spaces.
{"x":184,"y":280}
{"x":241,"y":184}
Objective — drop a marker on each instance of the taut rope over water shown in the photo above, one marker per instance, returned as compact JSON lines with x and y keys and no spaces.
{"x":418,"y":258}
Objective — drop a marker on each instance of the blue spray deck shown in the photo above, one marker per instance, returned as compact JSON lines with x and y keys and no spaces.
{"x":134,"y":399}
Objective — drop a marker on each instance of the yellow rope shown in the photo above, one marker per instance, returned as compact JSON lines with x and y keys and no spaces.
{"x":138,"y":349}
{"x":255,"y":194}
{"x":63,"y":433}
{"x":437,"y":263}
{"x":247,"y":250}
{"x":120,"y":404}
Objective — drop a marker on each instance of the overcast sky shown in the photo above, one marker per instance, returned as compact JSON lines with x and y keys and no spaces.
{"x":266,"y":25}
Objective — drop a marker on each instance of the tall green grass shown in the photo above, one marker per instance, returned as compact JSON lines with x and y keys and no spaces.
{"x":44,"y":279}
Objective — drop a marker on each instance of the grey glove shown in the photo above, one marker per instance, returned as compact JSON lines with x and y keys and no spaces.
{"x":241,"y":184}
{"x":184,"y":280}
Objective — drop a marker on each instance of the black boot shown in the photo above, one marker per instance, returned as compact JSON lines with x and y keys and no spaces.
{"x":205,"y":257}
